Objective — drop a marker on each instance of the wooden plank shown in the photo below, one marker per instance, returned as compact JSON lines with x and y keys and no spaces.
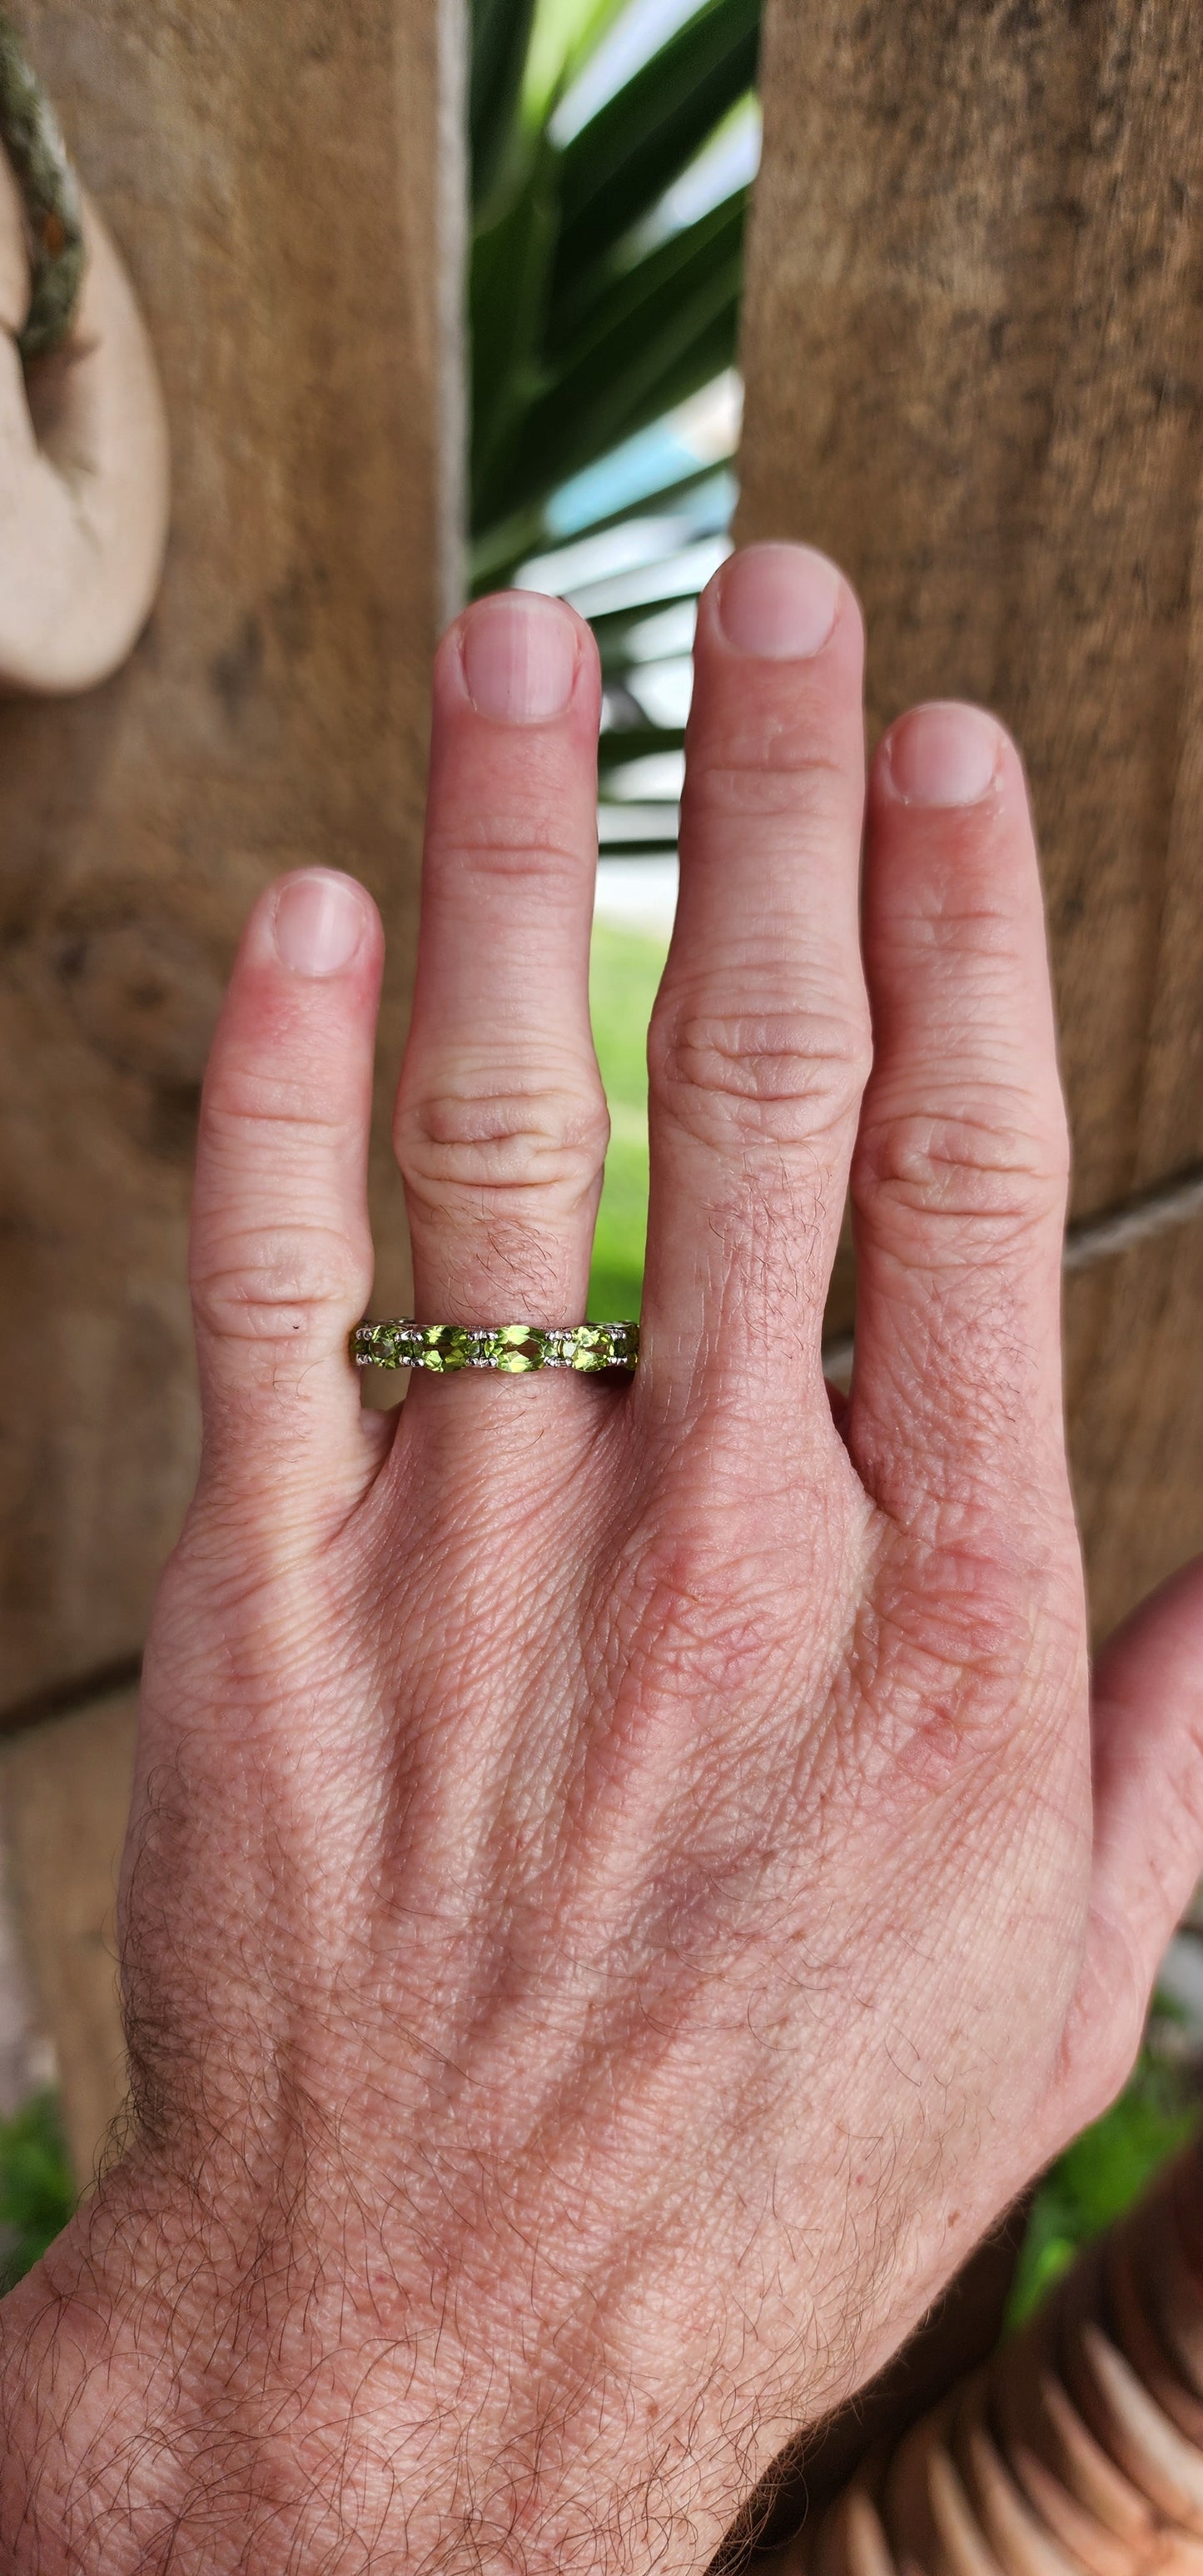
{"x":27,"y":2062}
{"x":1134,"y":1389}
{"x":284,"y":185}
{"x":64,"y":1798}
{"x":285,"y":195}
{"x":972,"y":356}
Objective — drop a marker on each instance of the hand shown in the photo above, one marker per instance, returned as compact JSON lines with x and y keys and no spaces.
{"x":612,"y":1907}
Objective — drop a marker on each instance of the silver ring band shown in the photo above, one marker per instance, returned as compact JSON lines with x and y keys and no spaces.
{"x":512,"y":1349}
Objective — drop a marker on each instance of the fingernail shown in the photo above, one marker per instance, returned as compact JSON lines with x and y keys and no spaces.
{"x":520,"y":654}
{"x":944,"y":755}
{"x":778,"y":601}
{"x":318,"y":922}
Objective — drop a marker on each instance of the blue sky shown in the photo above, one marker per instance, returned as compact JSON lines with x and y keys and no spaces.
{"x":635,"y":35}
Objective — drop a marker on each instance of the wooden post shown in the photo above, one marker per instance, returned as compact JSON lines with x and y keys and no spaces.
{"x":284,"y":186}
{"x":66,"y":1790}
{"x":971,"y":350}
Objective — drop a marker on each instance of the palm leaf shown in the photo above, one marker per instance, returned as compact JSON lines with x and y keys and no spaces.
{"x":509,"y":289}
{"x":506,"y":544}
{"x":583,"y":337}
{"x":501,"y":34}
{"x":662,"y":330}
{"x":636,"y":742}
{"x":629,"y":154}
{"x":566,"y":34}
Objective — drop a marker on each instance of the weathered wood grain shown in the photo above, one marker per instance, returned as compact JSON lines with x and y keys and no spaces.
{"x":284,"y":186}
{"x":283,"y":193}
{"x":64,"y":1797}
{"x":974,"y":364}
{"x":1134,"y":1391}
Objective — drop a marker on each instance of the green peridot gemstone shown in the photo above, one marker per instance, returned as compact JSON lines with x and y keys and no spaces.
{"x":447,"y":1347}
{"x":594,"y":1345}
{"x":516,"y":1348}
{"x":379,"y":1344}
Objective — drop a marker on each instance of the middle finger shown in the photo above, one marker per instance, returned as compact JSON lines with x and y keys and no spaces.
{"x":760,"y":1038}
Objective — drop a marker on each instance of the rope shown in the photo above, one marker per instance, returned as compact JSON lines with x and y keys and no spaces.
{"x":30,"y":133}
{"x":1092,"y":1239}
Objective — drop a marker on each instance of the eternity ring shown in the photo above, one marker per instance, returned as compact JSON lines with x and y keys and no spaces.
{"x":515,"y":1349}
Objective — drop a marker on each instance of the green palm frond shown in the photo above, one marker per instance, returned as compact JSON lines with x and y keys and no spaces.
{"x":658,"y":330}
{"x":594,"y":312}
{"x":501,"y":40}
{"x":624,"y":159}
{"x":580,"y":332}
{"x":565,"y":35}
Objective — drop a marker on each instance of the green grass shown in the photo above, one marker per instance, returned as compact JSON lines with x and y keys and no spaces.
{"x":37,"y":2194}
{"x":1100,"y":2175}
{"x":625,"y":971}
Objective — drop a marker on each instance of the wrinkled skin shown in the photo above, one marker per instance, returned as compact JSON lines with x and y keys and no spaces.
{"x":624,"y":1882}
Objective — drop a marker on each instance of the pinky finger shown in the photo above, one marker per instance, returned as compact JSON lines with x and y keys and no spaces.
{"x":281,"y":1247}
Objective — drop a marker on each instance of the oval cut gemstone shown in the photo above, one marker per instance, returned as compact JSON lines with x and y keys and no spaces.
{"x":516,"y":1348}
{"x":594,"y":1346}
{"x":379,"y":1345}
{"x":447,"y":1348}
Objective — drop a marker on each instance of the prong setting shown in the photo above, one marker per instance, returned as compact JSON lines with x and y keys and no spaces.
{"x":511,"y":1350}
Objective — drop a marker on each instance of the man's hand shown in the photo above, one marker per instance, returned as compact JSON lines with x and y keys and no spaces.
{"x":614,"y":1904}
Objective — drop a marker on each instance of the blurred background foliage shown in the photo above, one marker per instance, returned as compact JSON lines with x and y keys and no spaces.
{"x":624,"y":972}
{"x":613,"y":146}
{"x":596,"y":303}
{"x":612,"y":150}
{"x":1107,"y":2167}
{"x":37,"y":2192}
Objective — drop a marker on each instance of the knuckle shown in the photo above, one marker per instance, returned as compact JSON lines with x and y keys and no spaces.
{"x":696,"y":1623}
{"x":990,"y":1166}
{"x":242,"y":1101}
{"x":293,"y":1284}
{"x":963,"y":1639}
{"x":781,"y":1077}
{"x":963,"y":920}
{"x":741,"y":778}
{"x":963,"y":1608}
{"x":550,"y":1141}
{"x":514,"y":844}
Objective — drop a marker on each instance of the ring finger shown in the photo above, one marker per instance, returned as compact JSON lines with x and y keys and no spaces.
{"x":500,"y":1126}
